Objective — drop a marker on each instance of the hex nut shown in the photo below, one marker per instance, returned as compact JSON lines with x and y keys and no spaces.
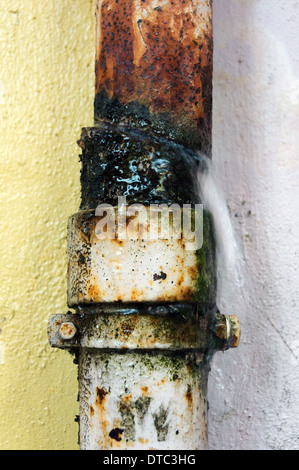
{"x":227,"y":328}
{"x":67,"y":331}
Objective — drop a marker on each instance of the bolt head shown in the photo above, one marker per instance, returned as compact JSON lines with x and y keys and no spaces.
{"x":67,"y":331}
{"x":227,"y":328}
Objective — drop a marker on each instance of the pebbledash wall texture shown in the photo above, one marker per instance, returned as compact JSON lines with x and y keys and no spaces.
{"x":46,"y":97}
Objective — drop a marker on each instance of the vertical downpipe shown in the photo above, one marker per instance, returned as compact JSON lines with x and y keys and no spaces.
{"x":146,"y":323}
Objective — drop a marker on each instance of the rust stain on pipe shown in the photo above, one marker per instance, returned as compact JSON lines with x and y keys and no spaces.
{"x":143,"y":365}
{"x":159,"y":55}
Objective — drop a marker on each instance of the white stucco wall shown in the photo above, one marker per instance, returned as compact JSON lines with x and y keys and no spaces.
{"x":253,"y":391}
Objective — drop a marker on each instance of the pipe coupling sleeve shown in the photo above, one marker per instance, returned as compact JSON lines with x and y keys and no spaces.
{"x":123,"y":268}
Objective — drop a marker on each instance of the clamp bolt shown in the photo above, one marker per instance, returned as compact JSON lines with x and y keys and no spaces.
{"x":227,"y":328}
{"x":67,"y":331}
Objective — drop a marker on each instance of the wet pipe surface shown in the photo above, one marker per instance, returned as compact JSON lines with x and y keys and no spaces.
{"x":117,"y":161}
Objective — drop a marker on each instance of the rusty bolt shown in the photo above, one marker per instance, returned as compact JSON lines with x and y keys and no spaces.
{"x":227,"y":328}
{"x":67,"y":331}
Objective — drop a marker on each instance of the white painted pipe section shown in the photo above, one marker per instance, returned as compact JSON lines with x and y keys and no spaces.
{"x":143,"y":377}
{"x":142,"y":400}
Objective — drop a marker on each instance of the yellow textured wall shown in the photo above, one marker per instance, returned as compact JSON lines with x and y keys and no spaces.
{"x":46,"y":96}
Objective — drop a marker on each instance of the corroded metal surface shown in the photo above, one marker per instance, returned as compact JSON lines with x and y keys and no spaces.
{"x":146,"y":169}
{"x":67,"y":331}
{"x":142,"y":401}
{"x":133,"y":331}
{"x":136,"y":270}
{"x":154,"y":67}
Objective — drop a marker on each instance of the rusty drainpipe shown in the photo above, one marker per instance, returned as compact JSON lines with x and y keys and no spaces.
{"x":146,"y":322}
